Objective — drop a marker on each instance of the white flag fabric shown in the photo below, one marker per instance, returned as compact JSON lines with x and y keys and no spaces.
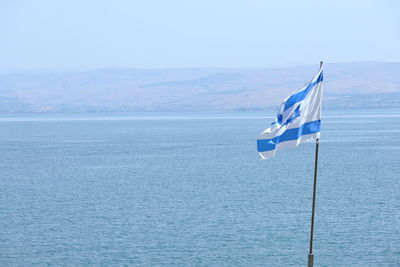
{"x":298,"y":120}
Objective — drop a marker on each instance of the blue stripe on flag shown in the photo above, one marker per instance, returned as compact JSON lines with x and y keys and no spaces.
{"x":289,"y":135}
{"x":293,"y":99}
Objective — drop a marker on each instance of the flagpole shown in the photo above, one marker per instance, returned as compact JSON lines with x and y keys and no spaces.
{"x":310,"y":254}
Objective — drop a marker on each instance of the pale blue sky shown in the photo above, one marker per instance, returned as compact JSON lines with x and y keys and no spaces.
{"x":50,"y":34}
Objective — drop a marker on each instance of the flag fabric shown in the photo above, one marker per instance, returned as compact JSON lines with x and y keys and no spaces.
{"x":298,"y":120}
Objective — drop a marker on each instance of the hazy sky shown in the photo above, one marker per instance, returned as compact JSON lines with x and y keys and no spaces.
{"x":51,"y":34}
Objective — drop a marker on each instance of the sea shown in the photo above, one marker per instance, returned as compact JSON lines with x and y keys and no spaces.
{"x":189,"y":189}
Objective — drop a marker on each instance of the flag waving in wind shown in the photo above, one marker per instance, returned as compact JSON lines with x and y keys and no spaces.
{"x":298,"y":120}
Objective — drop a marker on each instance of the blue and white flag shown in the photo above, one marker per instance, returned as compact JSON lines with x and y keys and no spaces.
{"x":298,"y":120}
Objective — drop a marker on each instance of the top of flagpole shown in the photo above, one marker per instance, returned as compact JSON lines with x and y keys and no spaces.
{"x":321,"y":63}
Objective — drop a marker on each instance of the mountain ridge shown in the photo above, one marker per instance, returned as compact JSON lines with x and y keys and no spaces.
{"x":347,"y":85}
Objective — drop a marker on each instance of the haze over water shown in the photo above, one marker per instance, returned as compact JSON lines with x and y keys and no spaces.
{"x":188,"y":189}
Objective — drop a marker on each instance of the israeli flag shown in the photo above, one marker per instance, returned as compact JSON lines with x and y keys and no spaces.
{"x":298,"y":120}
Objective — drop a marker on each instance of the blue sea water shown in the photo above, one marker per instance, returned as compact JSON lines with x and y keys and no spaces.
{"x":188,"y":189}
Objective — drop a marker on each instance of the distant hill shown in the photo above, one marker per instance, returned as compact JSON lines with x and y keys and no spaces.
{"x":347,"y":85}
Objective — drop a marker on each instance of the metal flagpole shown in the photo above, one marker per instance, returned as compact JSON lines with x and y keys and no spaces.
{"x":310,"y":254}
